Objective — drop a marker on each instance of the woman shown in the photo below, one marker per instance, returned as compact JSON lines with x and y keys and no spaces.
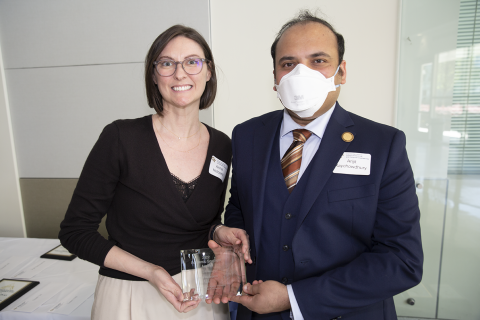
{"x":151,"y":177}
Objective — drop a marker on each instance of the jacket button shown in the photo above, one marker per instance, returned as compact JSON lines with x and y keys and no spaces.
{"x":285,"y":248}
{"x":284,"y":280}
{"x":288,"y":216}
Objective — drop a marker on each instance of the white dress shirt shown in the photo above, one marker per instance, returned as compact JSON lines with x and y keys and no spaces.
{"x":317,"y":128}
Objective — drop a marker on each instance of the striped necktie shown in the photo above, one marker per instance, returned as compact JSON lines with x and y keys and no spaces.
{"x":292,"y":159}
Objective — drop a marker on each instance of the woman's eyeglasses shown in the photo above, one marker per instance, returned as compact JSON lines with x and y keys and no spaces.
{"x":167,"y":67}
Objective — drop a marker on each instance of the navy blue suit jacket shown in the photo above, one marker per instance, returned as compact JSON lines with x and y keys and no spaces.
{"x":357,"y":239}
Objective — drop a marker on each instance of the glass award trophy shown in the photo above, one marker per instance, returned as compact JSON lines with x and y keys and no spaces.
{"x":209,"y":272}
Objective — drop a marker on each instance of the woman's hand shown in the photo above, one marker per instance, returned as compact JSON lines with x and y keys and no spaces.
{"x":226,"y":236}
{"x":121,"y":260}
{"x":171,"y":290}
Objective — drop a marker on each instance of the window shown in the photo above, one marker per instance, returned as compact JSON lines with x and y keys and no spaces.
{"x":464,"y":154}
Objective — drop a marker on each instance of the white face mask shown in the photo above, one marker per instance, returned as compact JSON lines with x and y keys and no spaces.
{"x":304,"y":90}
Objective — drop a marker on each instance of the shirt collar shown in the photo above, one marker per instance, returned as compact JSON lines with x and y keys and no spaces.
{"x":317,"y":126}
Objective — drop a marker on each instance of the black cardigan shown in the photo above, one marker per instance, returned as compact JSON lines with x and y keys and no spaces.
{"x":126,"y":177}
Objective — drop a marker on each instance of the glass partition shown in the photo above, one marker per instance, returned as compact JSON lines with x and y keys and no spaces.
{"x":421,"y":301}
{"x":438,"y":108}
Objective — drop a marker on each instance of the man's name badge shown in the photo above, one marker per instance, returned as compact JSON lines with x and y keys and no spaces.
{"x":218,"y":168}
{"x":354,"y":163}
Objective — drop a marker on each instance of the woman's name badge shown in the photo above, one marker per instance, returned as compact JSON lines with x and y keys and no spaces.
{"x":218,"y":168}
{"x":354,"y":163}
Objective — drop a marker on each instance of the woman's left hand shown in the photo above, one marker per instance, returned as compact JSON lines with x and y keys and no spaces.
{"x":225,"y":236}
{"x":172,"y":291}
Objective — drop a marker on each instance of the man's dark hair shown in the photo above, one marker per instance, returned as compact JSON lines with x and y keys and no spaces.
{"x":155,"y":99}
{"x":304,"y":17}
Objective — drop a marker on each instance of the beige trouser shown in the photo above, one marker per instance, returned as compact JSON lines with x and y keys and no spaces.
{"x":139,"y":300}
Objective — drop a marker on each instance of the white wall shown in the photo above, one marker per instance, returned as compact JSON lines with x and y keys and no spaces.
{"x":243,"y":31}
{"x":11,"y":213}
{"x":71,"y":67}
{"x":74,"y":66}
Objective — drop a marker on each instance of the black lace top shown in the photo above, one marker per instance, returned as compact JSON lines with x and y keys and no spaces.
{"x":185,"y":188}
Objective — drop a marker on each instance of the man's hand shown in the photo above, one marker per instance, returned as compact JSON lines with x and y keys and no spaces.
{"x":264,"y":297}
{"x":226,"y":236}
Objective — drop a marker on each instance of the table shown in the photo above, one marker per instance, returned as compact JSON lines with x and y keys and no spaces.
{"x":72,"y":273}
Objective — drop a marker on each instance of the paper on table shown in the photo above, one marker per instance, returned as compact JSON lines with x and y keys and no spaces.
{"x":37,"y":298}
{"x":34,"y":268}
{"x":11,"y":264}
{"x":73,"y":300}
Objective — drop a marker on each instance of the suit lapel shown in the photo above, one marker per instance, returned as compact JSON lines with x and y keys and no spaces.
{"x":321,"y":167}
{"x":264,"y":137}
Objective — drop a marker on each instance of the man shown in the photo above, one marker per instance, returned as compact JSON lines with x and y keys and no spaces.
{"x":331,"y":209}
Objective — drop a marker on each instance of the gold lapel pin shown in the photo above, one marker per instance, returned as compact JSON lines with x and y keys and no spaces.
{"x":347,"y":136}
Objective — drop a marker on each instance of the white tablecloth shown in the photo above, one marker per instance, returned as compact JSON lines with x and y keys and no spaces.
{"x":72,"y":273}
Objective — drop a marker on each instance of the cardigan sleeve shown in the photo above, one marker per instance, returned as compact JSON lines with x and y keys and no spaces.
{"x":92,"y":198}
